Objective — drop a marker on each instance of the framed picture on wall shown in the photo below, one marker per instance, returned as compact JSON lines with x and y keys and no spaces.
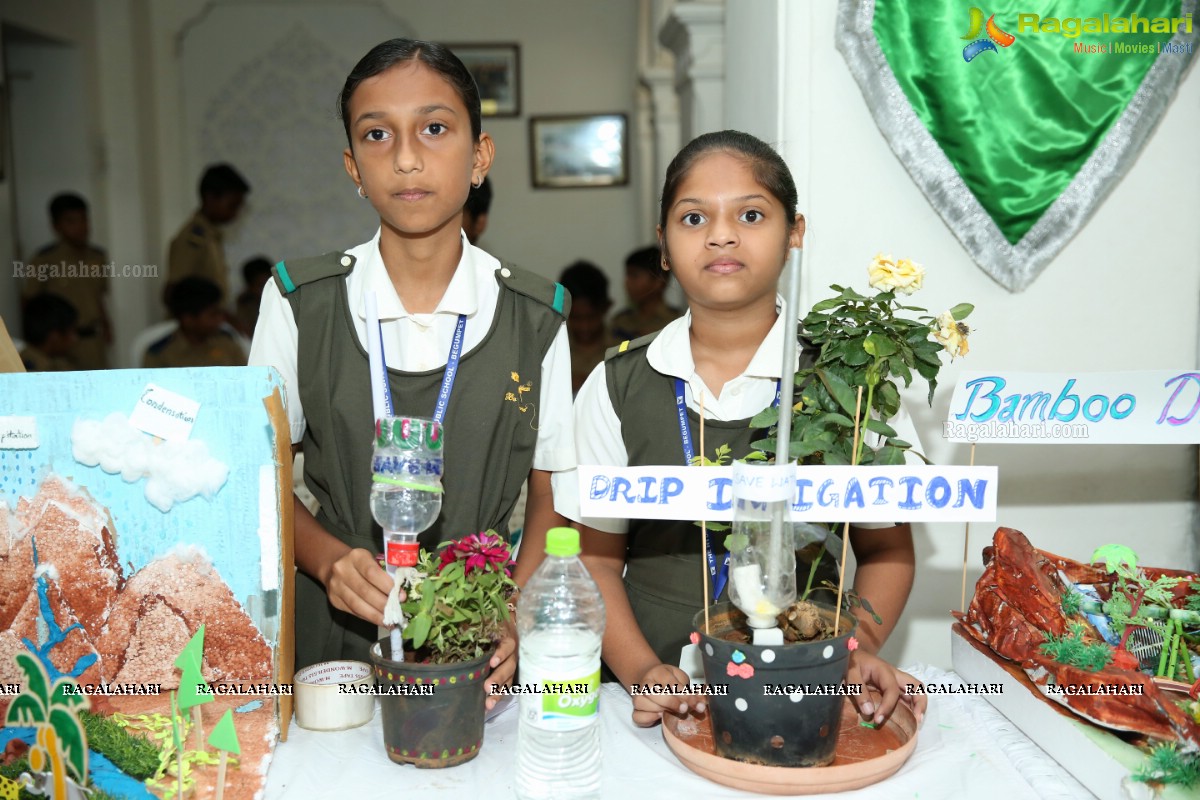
{"x":497,"y":72}
{"x":579,"y":151}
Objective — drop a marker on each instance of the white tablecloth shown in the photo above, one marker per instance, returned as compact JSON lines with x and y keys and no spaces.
{"x":965,"y":749}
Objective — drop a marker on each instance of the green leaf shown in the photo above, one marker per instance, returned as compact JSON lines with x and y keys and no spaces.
{"x":882,"y":428}
{"x":36,"y":680}
{"x":826,"y":305}
{"x":889,"y":456}
{"x":838,"y":389}
{"x":879,"y":345}
{"x":26,"y":710}
{"x":852,"y":352}
{"x":961,"y":311}
{"x":70,"y":736}
{"x":835,"y":418}
{"x":867,"y":607}
{"x":736,"y":542}
{"x":894,"y":442}
{"x":417,"y":629}
{"x":836,"y":459}
{"x":766,"y":418}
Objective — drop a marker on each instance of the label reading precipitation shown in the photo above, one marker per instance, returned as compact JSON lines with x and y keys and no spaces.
{"x":560,"y":703}
{"x":18,"y":433}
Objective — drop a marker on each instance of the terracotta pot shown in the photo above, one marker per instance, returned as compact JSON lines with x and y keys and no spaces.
{"x":774,"y":713}
{"x":442,"y":727}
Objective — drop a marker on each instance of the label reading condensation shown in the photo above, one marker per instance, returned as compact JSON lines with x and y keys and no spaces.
{"x":165,"y":414}
{"x":18,"y":433}
{"x":561,"y":703}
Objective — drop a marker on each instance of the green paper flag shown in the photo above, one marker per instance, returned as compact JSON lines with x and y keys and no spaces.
{"x":192,"y":651}
{"x":191,"y":692}
{"x":224,"y":735}
{"x":1016,"y":118}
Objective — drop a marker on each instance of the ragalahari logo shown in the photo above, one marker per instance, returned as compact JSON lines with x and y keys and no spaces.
{"x":994,"y":36}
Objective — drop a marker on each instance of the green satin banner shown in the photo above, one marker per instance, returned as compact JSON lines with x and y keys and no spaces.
{"x":1026,"y":110}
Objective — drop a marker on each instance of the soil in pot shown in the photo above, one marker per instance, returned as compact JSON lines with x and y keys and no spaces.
{"x":783,"y":705}
{"x":432,"y":714}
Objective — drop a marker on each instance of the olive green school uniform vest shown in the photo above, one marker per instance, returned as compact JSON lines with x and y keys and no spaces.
{"x":664,"y":578}
{"x":491,"y":425}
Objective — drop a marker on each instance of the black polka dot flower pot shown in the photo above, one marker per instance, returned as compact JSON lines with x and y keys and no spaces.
{"x":783,"y":706}
{"x":432,"y":713}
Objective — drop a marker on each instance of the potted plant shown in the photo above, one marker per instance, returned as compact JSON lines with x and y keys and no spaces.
{"x":456,"y":607}
{"x":860,"y":341}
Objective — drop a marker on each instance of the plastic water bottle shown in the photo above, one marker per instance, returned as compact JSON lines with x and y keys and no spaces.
{"x":403,"y":513}
{"x":560,"y":622}
{"x":406,"y":491}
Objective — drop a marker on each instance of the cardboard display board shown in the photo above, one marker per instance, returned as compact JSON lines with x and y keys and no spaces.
{"x":138,"y":506}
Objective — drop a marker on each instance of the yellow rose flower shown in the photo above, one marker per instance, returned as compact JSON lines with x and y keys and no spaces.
{"x":951,"y":334}
{"x":901,"y":275}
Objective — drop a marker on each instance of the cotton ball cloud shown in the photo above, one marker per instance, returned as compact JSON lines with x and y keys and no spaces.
{"x":174,"y":471}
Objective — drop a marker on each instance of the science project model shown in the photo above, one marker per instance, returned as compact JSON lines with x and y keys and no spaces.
{"x":146,"y":607}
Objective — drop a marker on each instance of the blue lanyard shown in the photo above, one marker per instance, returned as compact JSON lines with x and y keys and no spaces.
{"x":456,"y":344}
{"x":439,"y":412}
{"x":719,"y":576}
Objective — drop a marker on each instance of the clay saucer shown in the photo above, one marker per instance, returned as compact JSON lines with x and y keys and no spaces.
{"x":864,"y":756}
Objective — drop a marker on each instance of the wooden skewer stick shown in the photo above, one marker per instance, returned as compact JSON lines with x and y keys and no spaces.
{"x":704,"y":525}
{"x":837,"y":619}
{"x":221,"y":775}
{"x":198,"y":723}
{"x":962,"y":606}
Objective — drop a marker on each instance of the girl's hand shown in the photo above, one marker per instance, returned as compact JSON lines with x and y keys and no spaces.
{"x":356,"y":584}
{"x":649,"y":708}
{"x":882,"y":688}
{"x":503,"y":663}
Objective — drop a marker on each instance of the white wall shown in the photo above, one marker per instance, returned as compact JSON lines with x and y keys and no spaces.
{"x":1122,"y":295}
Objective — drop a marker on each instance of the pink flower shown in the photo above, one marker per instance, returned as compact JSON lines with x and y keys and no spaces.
{"x":483,"y":551}
{"x":852,"y":644}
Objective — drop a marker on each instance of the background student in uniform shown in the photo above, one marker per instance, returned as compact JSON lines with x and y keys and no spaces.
{"x":50,"y":334}
{"x":727,"y":220}
{"x":73,"y":269}
{"x":586,"y":327}
{"x":646,"y":285}
{"x":411,"y":113}
{"x":475,"y":212}
{"x":201,"y":340}
{"x":255,"y":274}
{"x":198,"y":249}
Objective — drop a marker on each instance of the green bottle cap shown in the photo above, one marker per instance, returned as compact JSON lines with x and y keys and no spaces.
{"x":562,"y":542}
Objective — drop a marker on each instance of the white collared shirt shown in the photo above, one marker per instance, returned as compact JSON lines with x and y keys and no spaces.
{"x":598,"y":437}
{"x":420,"y":342}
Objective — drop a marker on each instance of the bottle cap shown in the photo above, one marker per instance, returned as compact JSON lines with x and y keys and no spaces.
{"x":562,"y":542}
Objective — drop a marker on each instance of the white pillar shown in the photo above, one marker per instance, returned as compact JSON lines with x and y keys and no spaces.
{"x":695,"y":32}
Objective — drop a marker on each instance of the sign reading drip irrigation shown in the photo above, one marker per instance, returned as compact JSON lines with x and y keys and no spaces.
{"x":819,"y":494}
{"x":1146,"y":407}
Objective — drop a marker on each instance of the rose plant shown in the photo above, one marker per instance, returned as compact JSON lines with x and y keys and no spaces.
{"x":868,"y":342}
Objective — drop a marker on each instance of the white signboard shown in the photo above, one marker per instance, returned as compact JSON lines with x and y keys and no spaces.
{"x":822,"y":494}
{"x":18,"y":433}
{"x":165,"y":414}
{"x":1146,"y":407}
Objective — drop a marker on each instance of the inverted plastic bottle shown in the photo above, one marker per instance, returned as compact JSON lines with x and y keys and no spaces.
{"x":560,"y":622}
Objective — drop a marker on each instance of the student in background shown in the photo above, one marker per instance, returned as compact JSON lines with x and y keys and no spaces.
{"x":475,"y":212}
{"x":198,"y":249}
{"x":50,"y":334}
{"x":200,"y":340}
{"x":73,"y":269}
{"x":586,"y":328}
{"x":255,"y":274}
{"x":645,"y":283}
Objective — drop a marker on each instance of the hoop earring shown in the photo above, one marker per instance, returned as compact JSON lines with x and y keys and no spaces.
{"x":361,"y":193}
{"x":477,"y":184}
